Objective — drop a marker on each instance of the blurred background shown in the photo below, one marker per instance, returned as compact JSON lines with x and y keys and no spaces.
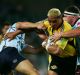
{"x":30,"y":10}
{"x":12,"y":11}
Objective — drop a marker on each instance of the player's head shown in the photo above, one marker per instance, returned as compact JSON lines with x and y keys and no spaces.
{"x":72,"y":10}
{"x":4,"y":27}
{"x":71,"y":13}
{"x":54,"y":17}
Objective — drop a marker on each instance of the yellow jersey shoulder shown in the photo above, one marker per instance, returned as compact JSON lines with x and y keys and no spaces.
{"x":67,"y":26}
{"x":46,"y":23}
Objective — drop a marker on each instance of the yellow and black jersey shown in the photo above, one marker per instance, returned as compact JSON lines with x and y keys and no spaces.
{"x":63,"y":43}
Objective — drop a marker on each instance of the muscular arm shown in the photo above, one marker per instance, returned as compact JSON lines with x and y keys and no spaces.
{"x":67,"y":34}
{"x":42,"y":36}
{"x":26,"y":25}
{"x":30,"y":50}
{"x":12,"y":35}
{"x":54,"y":49}
{"x":71,"y":33}
{"x":22,"y":26}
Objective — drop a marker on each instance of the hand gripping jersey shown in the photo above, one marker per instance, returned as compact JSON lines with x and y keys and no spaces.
{"x":17,"y":42}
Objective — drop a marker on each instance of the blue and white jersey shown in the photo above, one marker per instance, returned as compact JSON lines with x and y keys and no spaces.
{"x":18,"y":42}
{"x":77,"y":24}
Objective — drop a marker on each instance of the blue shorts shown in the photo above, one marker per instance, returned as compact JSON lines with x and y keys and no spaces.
{"x":9,"y":59}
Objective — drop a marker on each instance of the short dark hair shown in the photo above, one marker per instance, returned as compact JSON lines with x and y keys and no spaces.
{"x":3,"y":23}
{"x":72,"y":9}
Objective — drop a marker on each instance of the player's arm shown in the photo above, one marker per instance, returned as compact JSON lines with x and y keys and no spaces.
{"x":31,"y":50}
{"x":21,"y":26}
{"x":27,"y":25}
{"x":71,"y":33}
{"x":67,"y":34}
{"x":51,"y":47}
{"x":54,"y":49}
{"x":12,"y":35}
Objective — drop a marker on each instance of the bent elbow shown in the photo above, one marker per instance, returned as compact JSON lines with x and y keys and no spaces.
{"x":18,"y":25}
